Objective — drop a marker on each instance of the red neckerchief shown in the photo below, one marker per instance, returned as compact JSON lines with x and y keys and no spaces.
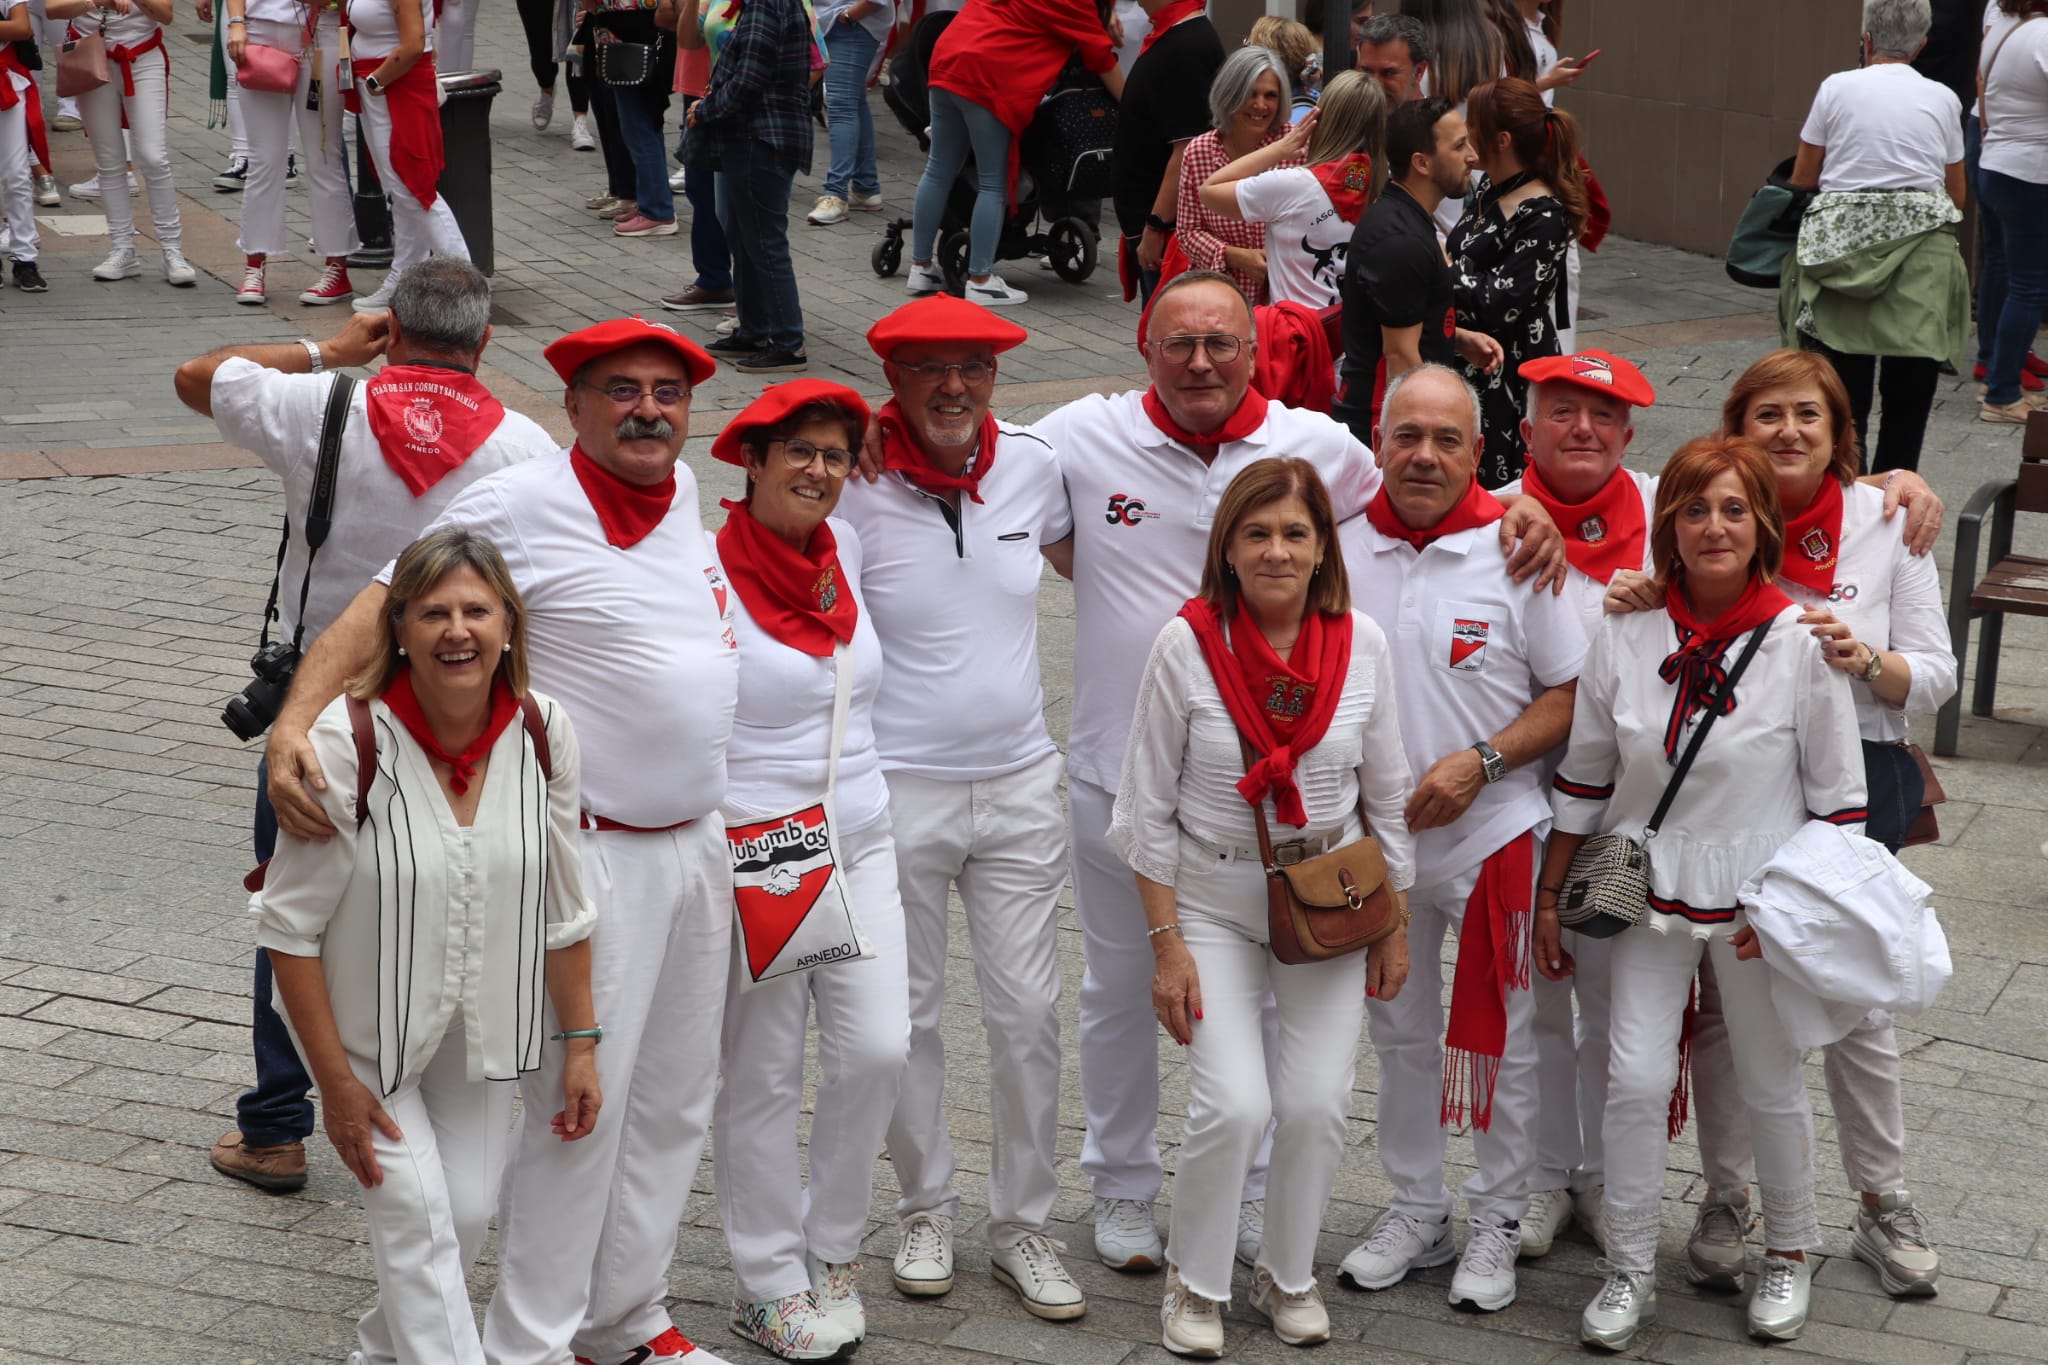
{"x":1813,"y":539}
{"x":418,"y":155}
{"x":902,"y":453}
{"x":1493,"y":959}
{"x":1477,"y":508}
{"x":1167,"y":17}
{"x":627,"y":512}
{"x":1282,"y":709}
{"x":1601,"y":534}
{"x":1696,"y":667}
{"x":800,"y":599}
{"x":1240,"y":424}
{"x":428,"y":419}
{"x":1348,"y":183}
{"x":406,"y":706}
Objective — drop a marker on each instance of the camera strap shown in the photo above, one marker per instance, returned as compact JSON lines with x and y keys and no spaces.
{"x":319,"y":508}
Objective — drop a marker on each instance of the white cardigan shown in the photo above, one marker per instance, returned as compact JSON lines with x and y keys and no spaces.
{"x":415,"y":920}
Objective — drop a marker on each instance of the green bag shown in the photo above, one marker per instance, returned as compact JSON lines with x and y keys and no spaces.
{"x":1767,"y":230}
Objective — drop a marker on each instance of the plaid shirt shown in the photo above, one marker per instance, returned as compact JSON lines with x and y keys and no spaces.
{"x":1205,"y":235}
{"x":761,"y":83}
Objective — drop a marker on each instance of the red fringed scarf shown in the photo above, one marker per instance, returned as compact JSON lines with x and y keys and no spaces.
{"x":405,"y":705}
{"x":428,"y":419}
{"x":418,"y":155}
{"x":1698,"y":667}
{"x":1813,"y":539}
{"x":627,"y":512}
{"x":1477,"y":508}
{"x":902,"y":453}
{"x":1348,"y":182}
{"x":1602,"y":534}
{"x":1493,"y":959}
{"x":1167,"y":17}
{"x":801,"y":599}
{"x":1282,"y":709}
{"x":1240,"y":424}
{"x":1681,"y":1090}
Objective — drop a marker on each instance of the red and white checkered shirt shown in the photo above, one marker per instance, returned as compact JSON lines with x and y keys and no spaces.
{"x":1203,"y":235}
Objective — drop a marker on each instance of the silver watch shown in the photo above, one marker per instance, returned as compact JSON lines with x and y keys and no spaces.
{"x":1489,"y":759}
{"x":313,"y":354}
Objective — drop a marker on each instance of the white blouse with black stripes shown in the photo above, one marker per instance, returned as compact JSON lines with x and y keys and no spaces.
{"x":422,"y":925}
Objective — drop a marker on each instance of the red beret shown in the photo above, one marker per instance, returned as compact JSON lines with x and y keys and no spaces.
{"x":572,"y":352}
{"x":942,"y":318}
{"x":1595,"y":370}
{"x":778,"y":401}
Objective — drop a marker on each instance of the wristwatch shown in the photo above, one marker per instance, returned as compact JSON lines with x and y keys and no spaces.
{"x":1489,"y":758}
{"x":373,"y":85}
{"x":1158,"y":224}
{"x":1874,"y":667}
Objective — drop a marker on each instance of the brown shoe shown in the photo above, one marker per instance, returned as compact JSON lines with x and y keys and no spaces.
{"x":281,"y":1168}
{"x":696,"y":299}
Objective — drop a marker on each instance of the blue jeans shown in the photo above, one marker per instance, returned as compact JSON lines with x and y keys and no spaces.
{"x":2022,"y":209}
{"x":1990,"y":247}
{"x":847,"y":116}
{"x":275,"y":1111}
{"x":753,"y":205}
{"x":639,"y":111}
{"x":960,"y":126}
{"x":709,"y":255}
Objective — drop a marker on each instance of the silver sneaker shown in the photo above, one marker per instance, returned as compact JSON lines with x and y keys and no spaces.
{"x":1715,"y":1254}
{"x":1251,"y":1230}
{"x":1625,"y":1302}
{"x":1892,"y":1239}
{"x":1784,"y":1291}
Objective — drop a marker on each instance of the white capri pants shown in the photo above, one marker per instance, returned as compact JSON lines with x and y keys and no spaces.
{"x":1119,"y":1037}
{"x":1234,"y":1094}
{"x":267,"y":118}
{"x":1863,"y":1087}
{"x":101,"y":110}
{"x":1571,"y":1068}
{"x":587,"y":1229}
{"x":1408,"y":1035}
{"x":770,"y":1215}
{"x":428,"y":1218}
{"x":1003,"y":842}
{"x":1653,"y":973}
{"x":416,"y":232}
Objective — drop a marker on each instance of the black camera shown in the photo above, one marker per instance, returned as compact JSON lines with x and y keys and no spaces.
{"x":250,"y":714}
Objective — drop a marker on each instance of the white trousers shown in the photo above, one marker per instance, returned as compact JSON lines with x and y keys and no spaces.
{"x":1571,"y":1068}
{"x":1003,"y":842}
{"x":1653,"y":973}
{"x":772,"y":1217}
{"x":455,"y":36}
{"x":101,"y":111}
{"x":416,"y":232}
{"x":17,"y":182}
{"x":1863,"y":1088}
{"x":1234,"y":1094}
{"x":1568,"y":337}
{"x":268,"y":118}
{"x":587,"y":1229}
{"x":1408,"y":1036}
{"x":428,"y":1218}
{"x":1119,"y":1042}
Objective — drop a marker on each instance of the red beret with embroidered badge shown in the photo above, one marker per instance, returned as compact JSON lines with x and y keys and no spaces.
{"x":571,"y":353}
{"x":943,"y":318}
{"x":1595,"y":370}
{"x":779,"y":401}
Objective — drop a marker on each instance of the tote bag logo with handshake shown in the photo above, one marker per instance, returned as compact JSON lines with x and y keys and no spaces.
{"x":792,"y":906}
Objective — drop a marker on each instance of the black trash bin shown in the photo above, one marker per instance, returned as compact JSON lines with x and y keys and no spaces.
{"x":466,"y":179}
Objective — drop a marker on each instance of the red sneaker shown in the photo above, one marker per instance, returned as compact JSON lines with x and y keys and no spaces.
{"x":2035,"y":366}
{"x":333,"y":285}
{"x":669,"y":1346}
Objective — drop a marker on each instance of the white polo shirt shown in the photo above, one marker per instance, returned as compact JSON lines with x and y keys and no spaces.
{"x":1472,"y":648}
{"x":953,"y":595}
{"x":637,"y":644}
{"x":1140,"y":507}
{"x":1588,"y":592}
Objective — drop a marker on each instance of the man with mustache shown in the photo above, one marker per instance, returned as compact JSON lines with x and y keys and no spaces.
{"x":629,"y":627}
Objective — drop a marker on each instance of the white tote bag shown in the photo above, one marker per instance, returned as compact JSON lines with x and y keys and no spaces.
{"x":789,"y":895}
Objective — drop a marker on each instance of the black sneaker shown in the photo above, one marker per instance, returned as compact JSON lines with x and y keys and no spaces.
{"x":28,"y":279}
{"x":234,"y":178}
{"x":771,"y":360}
{"x":291,"y":169}
{"x":734,"y":344}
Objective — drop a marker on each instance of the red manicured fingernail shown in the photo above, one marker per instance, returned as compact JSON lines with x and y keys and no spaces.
{"x":1371,"y":990}
{"x":1198,"y":1014}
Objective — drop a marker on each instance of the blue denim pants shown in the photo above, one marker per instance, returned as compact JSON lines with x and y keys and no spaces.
{"x":2021,"y":207}
{"x":847,"y":116}
{"x":958,"y":127}
{"x":639,"y":111}
{"x":709,"y":255}
{"x":753,"y":205}
{"x":276,"y":1109}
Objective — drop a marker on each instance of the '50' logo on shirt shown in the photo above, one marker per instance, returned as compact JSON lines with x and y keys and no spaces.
{"x":1125,"y":510}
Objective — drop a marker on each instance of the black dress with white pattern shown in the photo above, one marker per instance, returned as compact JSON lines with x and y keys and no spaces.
{"x":1509,"y":271}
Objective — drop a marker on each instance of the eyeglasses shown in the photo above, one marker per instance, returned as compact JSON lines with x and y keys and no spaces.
{"x":1221,"y":347}
{"x":972,"y":372}
{"x":798,"y":454}
{"x":629,"y":395}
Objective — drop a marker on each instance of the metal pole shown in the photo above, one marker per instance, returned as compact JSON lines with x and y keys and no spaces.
{"x":1337,"y":53}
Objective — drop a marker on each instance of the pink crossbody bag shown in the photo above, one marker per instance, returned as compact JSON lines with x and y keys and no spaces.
{"x":273,"y":69}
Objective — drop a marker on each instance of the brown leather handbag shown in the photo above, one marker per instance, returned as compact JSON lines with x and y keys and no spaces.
{"x":1324,"y":906}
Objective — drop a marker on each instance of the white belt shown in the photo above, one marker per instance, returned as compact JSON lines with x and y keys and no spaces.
{"x":1286,"y":852}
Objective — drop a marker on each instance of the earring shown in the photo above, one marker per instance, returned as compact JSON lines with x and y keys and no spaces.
{"x":508,"y":647}
{"x":401,"y":651}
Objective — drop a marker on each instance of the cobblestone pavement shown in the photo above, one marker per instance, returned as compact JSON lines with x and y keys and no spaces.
{"x":127,"y":608}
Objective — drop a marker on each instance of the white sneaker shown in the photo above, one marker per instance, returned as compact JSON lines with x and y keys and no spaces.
{"x":1126,"y":1238}
{"x":993,"y":292}
{"x":676,"y":179}
{"x":924,"y":1255}
{"x":830,"y":209}
{"x":1485,"y":1279}
{"x":178,"y":270}
{"x":580,"y":137}
{"x":924,"y":279}
{"x":121,"y":264}
{"x":1624,"y":1303}
{"x":543,"y":110}
{"x":1298,"y":1319}
{"x":1586,"y":1205}
{"x":375,"y":302}
{"x":1397,"y":1245}
{"x":90,"y":189}
{"x":1251,"y":1230}
{"x":1715,"y":1253}
{"x":1784,"y":1291}
{"x":794,"y":1328}
{"x":836,"y":1287}
{"x":1189,"y":1325}
{"x":1033,"y":1269}
{"x":728,"y":324}
{"x":865,"y":203}
{"x":1549,"y":1213}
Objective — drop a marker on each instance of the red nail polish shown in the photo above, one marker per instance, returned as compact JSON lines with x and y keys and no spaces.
{"x":1198,"y":1014}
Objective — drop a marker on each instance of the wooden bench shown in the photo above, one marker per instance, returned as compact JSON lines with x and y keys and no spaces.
{"x":2012,"y":584}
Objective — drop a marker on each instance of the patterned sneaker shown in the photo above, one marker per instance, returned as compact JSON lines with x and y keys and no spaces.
{"x":1624,"y":1303}
{"x":1892,"y":1239}
{"x":252,"y":291}
{"x":1715,"y":1254}
{"x":331,"y":287}
{"x":793,"y":1327}
{"x":1251,"y":1230}
{"x":1550,"y":1212}
{"x":668,"y":1348}
{"x":1298,"y":1319}
{"x":836,"y":1287}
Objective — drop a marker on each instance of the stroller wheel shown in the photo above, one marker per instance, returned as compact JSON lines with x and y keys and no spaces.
{"x":1070,"y":248}
{"x":887,"y":256}
{"x":952,"y":262}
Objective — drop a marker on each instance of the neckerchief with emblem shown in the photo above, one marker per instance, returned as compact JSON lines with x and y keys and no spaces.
{"x":1348,"y":182}
{"x":428,"y":418}
{"x":1813,"y":540}
{"x":801,"y":598}
{"x":1601,"y":534}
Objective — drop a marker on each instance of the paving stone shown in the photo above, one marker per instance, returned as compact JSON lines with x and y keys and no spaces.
{"x":110,"y":1222}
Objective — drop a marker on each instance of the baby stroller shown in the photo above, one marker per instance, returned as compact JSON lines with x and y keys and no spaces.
{"x":1064,"y":171}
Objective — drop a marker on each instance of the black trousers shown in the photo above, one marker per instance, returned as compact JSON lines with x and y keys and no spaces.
{"x":1906,"y":384}
{"x":1896,"y":791}
{"x":537,"y":17}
